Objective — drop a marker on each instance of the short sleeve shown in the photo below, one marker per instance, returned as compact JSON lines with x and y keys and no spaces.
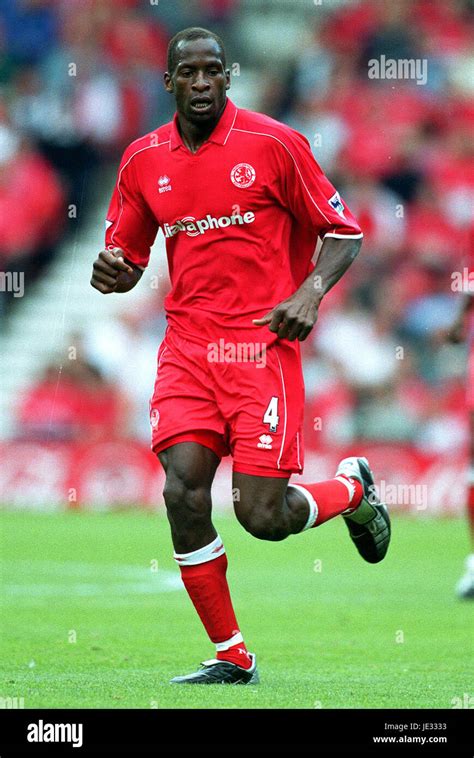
{"x":302,"y":187}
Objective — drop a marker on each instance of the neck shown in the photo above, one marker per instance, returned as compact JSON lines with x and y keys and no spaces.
{"x":194,"y":135}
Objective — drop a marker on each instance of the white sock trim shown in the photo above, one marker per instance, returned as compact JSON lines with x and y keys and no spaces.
{"x":350,"y":487}
{"x":313,"y":508}
{"x":221,"y":646}
{"x":204,"y":554}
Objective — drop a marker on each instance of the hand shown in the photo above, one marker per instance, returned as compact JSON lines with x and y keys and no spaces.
{"x":107,"y":269}
{"x":293,"y":318}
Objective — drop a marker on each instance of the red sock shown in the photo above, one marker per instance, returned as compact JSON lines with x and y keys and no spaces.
{"x":204,"y":575}
{"x":333,"y":497}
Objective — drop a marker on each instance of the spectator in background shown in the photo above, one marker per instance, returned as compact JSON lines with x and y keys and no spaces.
{"x":219,"y":15}
{"x":124,"y":350}
{"x":30,"y":29}
{"x":393,"y":35}
{"x":382,"y":217}
{"x":325,"y":131}
{"x":31,"y":209}
{"x":443,"y":428}
{"x":72,"y":403}
{"x":352,"y":325}
{"x":46,"y":115}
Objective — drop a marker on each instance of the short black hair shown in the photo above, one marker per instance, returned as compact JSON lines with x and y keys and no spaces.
{"x":193,"y":32}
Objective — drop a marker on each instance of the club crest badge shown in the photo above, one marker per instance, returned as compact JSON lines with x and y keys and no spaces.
{"x":243,"y":175}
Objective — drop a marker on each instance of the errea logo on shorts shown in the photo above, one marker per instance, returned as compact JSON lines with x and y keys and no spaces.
{"x":265,"y":442}
{"x":193,"y":227}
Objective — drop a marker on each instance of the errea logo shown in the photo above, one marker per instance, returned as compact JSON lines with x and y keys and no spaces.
{"x":193,"y":227}
{"x":265,"y":442}
{"x":164,"y":184}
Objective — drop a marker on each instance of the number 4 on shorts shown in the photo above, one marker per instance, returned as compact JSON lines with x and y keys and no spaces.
{"x":271,"y":414}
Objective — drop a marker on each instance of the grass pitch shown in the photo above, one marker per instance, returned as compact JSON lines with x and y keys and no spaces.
{"x":94,"y":616}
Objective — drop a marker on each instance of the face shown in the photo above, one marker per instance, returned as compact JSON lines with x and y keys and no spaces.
{"x":199,"y":81}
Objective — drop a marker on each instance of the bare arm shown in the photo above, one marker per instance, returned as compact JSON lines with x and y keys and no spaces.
{"x":112,"y":273}
{"x":295,"y":317}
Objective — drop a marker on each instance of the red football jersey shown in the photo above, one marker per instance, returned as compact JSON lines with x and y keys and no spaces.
{"x":241,"y":218}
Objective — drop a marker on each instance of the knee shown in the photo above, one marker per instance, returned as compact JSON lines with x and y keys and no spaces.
{"x":262,"y":522}
{"x":186,"y":500}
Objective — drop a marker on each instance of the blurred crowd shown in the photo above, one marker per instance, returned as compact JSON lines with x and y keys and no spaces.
{"x":79,"y":79}
{"x":403,"y":156}
{"x":400,"y":151}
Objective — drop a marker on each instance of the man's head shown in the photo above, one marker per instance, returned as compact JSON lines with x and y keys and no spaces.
{"x":197,"y":74}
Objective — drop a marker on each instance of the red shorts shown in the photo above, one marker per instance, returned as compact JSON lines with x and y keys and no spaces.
{"x":250,"y":409}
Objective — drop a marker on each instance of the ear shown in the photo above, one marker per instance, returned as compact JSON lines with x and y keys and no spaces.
{"x":227,"y":79}
{"x":169,"y":87}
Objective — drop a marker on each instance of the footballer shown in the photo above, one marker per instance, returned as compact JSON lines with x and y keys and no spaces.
{"x":241,"y":202}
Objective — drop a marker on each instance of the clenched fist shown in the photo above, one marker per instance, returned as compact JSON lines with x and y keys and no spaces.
{"x":112,"y":274}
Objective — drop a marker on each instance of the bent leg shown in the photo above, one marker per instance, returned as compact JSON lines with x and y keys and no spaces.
{"x":267,"y":508}
{"x":271,"y":509}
